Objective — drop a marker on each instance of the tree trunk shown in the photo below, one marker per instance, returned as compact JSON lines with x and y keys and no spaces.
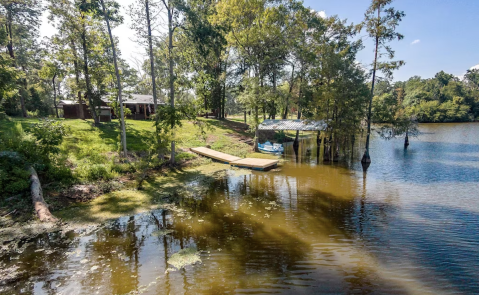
{"x":39,"y":204}
{"x":318,"y":145}
{"x":8,"y":28}
{"x":273,"y":107}
{"x":41,"y":208}
{"x":152,"y":60}
{"x":118,"y":81}
{"x":406,"y":140}
{"x":152,"y":69}
{"x":285,"y":115}
{"x":22,"y":98}
{"x":256,"y":149}
{"x":55,"y":95}
{"x":296,"y":139}
{"x":172,"y":78}
{"x":245,"y":117}
{"x":77,"y":78}
{"x":366,"y":157}
{"x":89,"y":92}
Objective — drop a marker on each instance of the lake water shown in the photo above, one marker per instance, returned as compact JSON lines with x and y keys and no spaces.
{"x":408,"y":226}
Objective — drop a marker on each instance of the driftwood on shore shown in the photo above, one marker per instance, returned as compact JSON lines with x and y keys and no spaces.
{"x":39,"y":204}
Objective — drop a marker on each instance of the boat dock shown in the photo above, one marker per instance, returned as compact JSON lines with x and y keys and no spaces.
{"x":250,"y":163}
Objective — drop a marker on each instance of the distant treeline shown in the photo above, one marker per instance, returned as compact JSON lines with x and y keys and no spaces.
{"x":444,"y":98}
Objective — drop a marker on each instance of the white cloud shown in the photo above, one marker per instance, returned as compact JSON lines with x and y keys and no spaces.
{"x":415,"y":42}
{"x":476,"y":67}
{"x":321,"y":13}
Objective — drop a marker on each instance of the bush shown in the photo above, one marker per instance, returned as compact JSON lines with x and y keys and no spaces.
{"x":184,"y":157}
{"x":94,"y":172}
{"x":123,"y":168}
{"x":14,"y":178}
{"x":39,"y":149}
{"x":3,"y":116}
{"x":33,"y":114}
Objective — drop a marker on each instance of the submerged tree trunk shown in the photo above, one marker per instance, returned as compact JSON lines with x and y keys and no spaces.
{"x":366,"y":157}
{"x":318,"y":145}
{"x":118,"y":81}
{"x":406,"y":140}
{"x":327,"y":149}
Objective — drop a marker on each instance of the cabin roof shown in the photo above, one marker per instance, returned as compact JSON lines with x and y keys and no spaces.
{"x":135,"y":99}
{"x":64,"y":102}
{"x":301,"y":125}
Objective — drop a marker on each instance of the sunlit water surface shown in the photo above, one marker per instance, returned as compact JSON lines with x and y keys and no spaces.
{"x":408,"y":226}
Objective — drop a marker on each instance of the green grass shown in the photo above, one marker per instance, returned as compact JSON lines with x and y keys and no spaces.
{"x":92,"y":153}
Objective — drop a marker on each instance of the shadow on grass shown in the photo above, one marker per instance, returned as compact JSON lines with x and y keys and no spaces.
{"x":237,"y":127}
{"x":135,"y":137}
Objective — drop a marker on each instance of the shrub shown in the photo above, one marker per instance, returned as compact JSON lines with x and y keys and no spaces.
{"x":184,"y":156}
{"x":123,"y":168}
{"x":94,"y":172}
{"x":49,"y":135}
{"x":3,"y":116}
{"x":14,"y":178}
{"x":33,"y":114}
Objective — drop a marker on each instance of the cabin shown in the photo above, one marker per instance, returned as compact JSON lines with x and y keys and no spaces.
{"x":141,"y":107}
{"x":72,"y":111}
{"x":63,"y":102}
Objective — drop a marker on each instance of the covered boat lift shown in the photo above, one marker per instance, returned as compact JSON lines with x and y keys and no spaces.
{"x":295,"y":125}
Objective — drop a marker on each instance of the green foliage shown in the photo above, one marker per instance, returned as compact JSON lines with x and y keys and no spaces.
{"x":14,"y":178}
{"x":49,"y":134}
{"x":94,"y":172}
{"x":35,"y":104}
{"x":381,"y":22}
{"x":180,"y":157}
{"x":443,"y":98}
{"x":39,"y":147}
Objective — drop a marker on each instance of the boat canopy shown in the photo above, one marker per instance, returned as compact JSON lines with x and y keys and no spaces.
{"x":301,"y":125}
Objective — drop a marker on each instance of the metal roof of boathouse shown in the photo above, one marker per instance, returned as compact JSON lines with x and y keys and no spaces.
{"x":301,"y":125}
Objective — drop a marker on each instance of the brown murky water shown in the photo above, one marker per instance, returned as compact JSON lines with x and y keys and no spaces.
{"x":410,"y":226}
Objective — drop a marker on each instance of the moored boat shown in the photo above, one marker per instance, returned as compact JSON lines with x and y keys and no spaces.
{"x":268,"y":147}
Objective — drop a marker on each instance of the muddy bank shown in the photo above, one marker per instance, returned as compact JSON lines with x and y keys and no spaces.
{"x":87,"y":206}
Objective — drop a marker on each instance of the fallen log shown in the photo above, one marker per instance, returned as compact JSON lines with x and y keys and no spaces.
{"x":41,"y":207}
{"x":39,"y":204}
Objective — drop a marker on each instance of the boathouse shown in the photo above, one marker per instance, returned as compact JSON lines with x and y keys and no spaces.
{"x":295,"y":125}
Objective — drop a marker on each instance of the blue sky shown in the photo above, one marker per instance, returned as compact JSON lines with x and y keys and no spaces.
{"x":447,"y":30}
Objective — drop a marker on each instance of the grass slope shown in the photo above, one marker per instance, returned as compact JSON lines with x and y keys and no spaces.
{"x":88,"y":148}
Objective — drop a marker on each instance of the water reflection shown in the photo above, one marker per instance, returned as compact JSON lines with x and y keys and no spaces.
{"x":408,"y":226}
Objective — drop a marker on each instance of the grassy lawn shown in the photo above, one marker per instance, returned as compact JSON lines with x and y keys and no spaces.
{"x":88,"y":148}
{"x":83,"y":141}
